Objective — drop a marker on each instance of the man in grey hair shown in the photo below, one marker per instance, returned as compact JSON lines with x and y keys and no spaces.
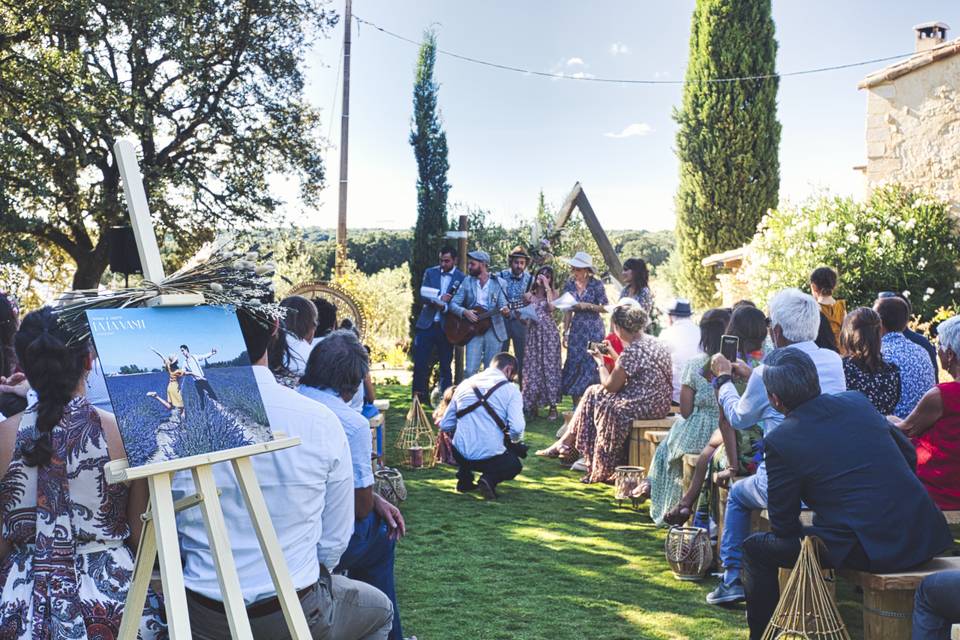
{"x":334,"y":369}
{"x":842,"y":459}
{"x":794,"y":321}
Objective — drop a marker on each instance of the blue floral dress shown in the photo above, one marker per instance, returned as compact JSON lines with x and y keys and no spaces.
{"x":580,"y":369}
{"x":69,"y":570}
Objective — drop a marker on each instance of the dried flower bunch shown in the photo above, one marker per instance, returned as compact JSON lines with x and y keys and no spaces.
{"x":223,"y":275}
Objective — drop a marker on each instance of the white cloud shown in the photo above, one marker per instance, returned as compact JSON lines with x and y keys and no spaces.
{"x":580,"y":75}
{"x":635,"y":129}
{"x":574,"y":62}
{"x":619,"y":49}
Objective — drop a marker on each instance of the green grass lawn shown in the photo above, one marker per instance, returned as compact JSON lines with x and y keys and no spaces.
{"x":551,"y":559}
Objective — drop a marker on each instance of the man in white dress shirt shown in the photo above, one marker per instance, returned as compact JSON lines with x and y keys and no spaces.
{"x":486,"y":409}
{"x":309,"y":494}
{"x":682,"y":338}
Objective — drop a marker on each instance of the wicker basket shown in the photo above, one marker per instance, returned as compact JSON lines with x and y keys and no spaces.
{"x":388,"y":483}
{"x":689,"y":552}
{"x":806,"y":608}
{"x":625,"y":480}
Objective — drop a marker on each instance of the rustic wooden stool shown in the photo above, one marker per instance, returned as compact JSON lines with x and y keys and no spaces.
{"x":649,"y":447}
{"x":638,"y":445}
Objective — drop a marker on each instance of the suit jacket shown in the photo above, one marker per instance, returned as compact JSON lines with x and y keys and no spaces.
{"x":840,"y":457}
{"x":431,"y":278}
{"x":466,"y":298}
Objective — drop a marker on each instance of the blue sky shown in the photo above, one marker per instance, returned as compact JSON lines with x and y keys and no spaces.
{"x":511,"y":134}
{"x":200,"y":328}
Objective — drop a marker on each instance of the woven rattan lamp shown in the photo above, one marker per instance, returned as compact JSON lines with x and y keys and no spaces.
{"x":417,"y":438}
{"x":806,"y":608}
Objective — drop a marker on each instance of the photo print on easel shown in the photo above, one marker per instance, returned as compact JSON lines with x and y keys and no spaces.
{"x":180,"y":381}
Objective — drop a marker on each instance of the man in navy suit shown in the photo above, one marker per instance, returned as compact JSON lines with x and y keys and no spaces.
{"x":429,"y":335}
{"x":837,"y":455}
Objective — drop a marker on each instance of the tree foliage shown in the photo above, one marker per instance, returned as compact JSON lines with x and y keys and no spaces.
{"x":429,"y":144}
{"x":728,"y":136}
{"x":211,"y":89}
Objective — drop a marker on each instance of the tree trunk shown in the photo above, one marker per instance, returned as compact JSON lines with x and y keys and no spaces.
{"x":91,"y":266}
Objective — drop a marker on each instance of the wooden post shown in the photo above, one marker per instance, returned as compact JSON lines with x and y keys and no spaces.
{"x":344,"y":140}
{"x":458,"y":352}
{"x":578,"y":199}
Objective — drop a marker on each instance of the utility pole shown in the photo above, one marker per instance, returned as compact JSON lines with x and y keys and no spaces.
{"x":341,"y":253}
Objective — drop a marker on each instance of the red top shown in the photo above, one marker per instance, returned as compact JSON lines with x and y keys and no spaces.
{"x":617,"y":346}
{"x":938,"y":452}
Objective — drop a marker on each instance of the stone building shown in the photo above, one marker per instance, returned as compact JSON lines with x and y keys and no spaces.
{"x":913,"y":117}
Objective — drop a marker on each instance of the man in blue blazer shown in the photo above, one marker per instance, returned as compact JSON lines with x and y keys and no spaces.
{"x":481,"y":289}
{"x":429,"y":336}
{"x":837,"y":455}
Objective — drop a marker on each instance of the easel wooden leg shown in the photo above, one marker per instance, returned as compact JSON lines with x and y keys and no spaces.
{"x":272,"y":552}
{"x":222,"y":556}
{"x":168,"y":546}
{"x":143,"y":570}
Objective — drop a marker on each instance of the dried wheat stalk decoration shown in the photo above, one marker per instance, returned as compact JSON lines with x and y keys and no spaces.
{"x":416,"y":437}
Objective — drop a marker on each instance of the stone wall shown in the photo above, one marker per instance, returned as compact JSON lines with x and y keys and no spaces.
{"x":913,"y":130}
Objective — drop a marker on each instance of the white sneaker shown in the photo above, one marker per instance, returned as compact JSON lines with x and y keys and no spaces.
{"x":579,"y":465}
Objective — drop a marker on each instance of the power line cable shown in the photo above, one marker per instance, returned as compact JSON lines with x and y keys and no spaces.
{"x":588,"y":78}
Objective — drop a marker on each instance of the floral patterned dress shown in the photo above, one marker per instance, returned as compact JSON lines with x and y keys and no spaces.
{"x":689,"y":435}
{"x":602,"y":420}
{"x":579,"y":370}
{"x":69,"y":570}
{"x":541,"y":359}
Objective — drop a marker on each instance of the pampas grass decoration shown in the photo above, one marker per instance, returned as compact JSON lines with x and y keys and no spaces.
{"x":417,"y":439}
{"x":806,"y":608}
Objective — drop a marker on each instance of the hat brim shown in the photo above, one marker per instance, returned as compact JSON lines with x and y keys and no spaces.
{"x":680,"y":314}
{"x":576,"y":264}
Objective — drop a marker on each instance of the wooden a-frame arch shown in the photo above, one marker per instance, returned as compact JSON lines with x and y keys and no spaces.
{"x":578,"y":200}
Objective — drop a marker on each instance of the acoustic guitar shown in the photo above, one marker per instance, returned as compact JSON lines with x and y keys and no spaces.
{"x":460,"y":331}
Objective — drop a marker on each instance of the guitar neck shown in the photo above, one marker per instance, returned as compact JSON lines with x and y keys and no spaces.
{"x":513,"y":306}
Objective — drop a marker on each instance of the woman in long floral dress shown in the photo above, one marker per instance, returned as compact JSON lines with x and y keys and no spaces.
{"x":581,"y":325}
{"x":541,"y":358}
{"x":638,"y":388}
{"x":66,"y":565}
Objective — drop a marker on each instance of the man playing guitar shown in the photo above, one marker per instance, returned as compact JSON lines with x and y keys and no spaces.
{"x":480,"y":293}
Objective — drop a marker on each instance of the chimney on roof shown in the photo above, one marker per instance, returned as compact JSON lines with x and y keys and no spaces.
{"x":930,"y":35}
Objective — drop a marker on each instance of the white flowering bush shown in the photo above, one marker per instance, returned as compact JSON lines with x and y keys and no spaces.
{"x":899,"y":240}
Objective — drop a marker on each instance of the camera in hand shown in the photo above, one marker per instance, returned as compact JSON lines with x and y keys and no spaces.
{"x":599,"y":347}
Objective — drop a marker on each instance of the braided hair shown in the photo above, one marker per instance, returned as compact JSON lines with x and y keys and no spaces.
{"x":54,"y":366}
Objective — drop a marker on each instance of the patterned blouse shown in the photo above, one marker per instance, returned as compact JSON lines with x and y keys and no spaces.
{"x":916,"y":371}
{"x":882,"y":388}
{"x":645,"y":298}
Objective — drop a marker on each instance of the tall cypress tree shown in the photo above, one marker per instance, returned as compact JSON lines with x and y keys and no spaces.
{"x":429,"y":144}
{"x":728,"y":138}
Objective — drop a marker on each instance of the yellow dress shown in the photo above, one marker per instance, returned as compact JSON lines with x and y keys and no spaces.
{"x":835,"y":313}
{"x":173,"y":388}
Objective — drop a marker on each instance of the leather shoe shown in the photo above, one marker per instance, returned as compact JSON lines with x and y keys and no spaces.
{"x":486,"y":489}
{"x":465,"y":488}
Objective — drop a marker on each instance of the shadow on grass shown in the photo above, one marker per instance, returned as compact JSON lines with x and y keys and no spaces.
{"x":552,"y":559}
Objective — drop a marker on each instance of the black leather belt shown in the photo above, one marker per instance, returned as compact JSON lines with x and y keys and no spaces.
{"x":258,"y":609}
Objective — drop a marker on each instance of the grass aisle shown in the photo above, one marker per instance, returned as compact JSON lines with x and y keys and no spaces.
{"x":553,"y":559}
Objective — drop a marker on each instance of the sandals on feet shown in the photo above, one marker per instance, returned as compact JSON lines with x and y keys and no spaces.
{"x":555,"y":451}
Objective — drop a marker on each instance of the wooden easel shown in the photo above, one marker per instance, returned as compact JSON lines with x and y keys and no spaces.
{"x":160,"y":524}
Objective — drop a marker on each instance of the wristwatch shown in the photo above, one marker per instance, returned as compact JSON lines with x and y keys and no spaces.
{"x":719,"y":381}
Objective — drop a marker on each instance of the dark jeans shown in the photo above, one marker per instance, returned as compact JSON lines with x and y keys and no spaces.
{"x":505,"y":466}
{"x":516,"y":333}
{"x":203,"y":390}
{"x":764,"y":554}
{"x":424,"y":342}
{"x":936,"y":606}
{"x":369,"y":558}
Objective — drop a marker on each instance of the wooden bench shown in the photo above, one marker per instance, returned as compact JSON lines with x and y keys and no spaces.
{"x":648,"y":448}
{"x":888,"y":598}
{"x":377,"y":424}
{"x":638,"y":446}
{"x":689,"y":466}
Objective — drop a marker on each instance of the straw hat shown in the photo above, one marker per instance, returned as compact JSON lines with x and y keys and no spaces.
{"x":581,"y":260}
{"x":518,"y":252}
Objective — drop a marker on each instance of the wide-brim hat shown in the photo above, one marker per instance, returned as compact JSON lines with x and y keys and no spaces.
{"x":479,"y":256}
{"x":680,"y":308}
{"x":581,"y":260}
{"x":518,"y":252}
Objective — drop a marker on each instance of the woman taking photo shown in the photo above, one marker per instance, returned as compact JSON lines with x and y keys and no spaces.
{"x":581,"y":325}
{"x":541,"y":358}
{"x":638,"y":388}
{"x":54,"y":488}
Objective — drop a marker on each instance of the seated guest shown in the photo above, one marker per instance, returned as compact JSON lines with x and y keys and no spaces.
{"x":66,"y":557}
{"x":638,"y":388}
{"x":917,"y":374}
{"x":825,"y":338}
{"x":823,"y":281}
{"x":335,"y":368}
{"x":301,"y":324}
{"x":935,"y":425}
{"x":682,"y":337}
{"x":443,"y":450}
{"x":326,"y":318}
{"x":863,"y":365}
{"x":484,"y":416}
{"x":700,"y":416}
{"x":936,"y":606}
{"x":839,"y":457}
{"x":913,"y":336}
{"x":794,"y":322}
{"x":308,"y":490}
